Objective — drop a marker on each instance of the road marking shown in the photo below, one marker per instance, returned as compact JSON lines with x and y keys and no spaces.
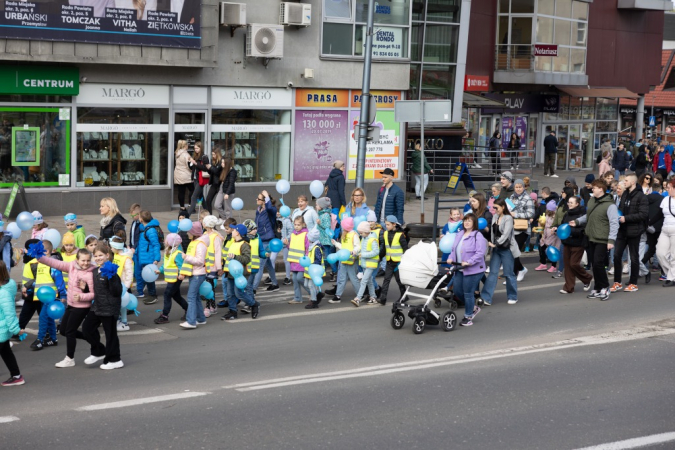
{"x":531,"y":288}
{"x":635,"y":442}
{"x":606,"y":338}
{"x":7,"y":419}
{"x":141,"y":401}
{"x":140,"y":332}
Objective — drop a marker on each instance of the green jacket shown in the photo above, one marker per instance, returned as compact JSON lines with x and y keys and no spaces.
{"x":417,"y":163}
{"x":79,"y":237}
{"x":601,"y":219}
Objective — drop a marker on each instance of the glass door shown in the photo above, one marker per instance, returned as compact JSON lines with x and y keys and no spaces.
{"x":587,"y":145}
{"x":189,"y":126}
{"x":574,"y":157}
{"x":563,"y":145}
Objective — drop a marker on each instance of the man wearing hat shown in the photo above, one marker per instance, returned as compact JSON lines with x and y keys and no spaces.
{"x":585,"y":192}
{"x":506,"y":181}
{"x":390,"y":199}
{"x":550,"y":153}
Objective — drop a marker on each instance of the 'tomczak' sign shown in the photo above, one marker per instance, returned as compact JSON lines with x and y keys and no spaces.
{"x":545,"y":50}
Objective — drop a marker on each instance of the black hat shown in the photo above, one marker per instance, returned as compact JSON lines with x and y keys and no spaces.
{"x":387,"y":171}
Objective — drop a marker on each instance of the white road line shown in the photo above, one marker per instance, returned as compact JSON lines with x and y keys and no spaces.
{"x":532,"y":288}
{"x":141,"y":401}
{"x":635,"y":442}
{"x":7,"y":419}
{"x":140,"y":332}
{"x":607,"y":338}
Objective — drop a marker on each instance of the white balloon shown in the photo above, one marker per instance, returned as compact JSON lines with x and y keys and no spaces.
{"x":14,"y":230}
{"x":52,"y":236}
{"x":283,"y":186}
{"x":316,"y":188}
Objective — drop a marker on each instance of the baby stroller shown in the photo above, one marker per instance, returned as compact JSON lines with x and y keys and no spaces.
{"x":419,"y":269}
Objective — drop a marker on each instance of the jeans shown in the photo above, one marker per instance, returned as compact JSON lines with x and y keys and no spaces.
{"x":549,"y":164}
{"x":642,"y":250}
{"x":71,"y":321}
{"x":665,"y":251}
{"x":495,"y":156}
{"x":618,"y":173}
{"x":367,"y":282}
{"x":500,"y":257}
{"x":465,"y":286}
{"x":234,"y":294}
{"x":391,"y":271}
{"x":347,"y":271}
{"x":287,"y":265}
{"x":195,"y":312}
{"x":196,"y":195}
{"x":222,"y":205}
{"x":633,"y":244}
{"x":140,"y":282}
{"x":269,"y":263}
{"x":298,"y":283}
{"x":311,"y":288}
{"x":214,"y":189}
{"x":8,"y":357}
{"x":327,"y":250}
{"x":46,"y":325}
{"x":111,"y":349}
{"x":172,"y":292}
{"x":421,"y":183}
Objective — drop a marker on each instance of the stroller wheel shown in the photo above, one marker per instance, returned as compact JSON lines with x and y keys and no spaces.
{"x":397,"y":320}
{"x":418,"y":325}
{"x":437,"y":303}
{"x":449,"y":321}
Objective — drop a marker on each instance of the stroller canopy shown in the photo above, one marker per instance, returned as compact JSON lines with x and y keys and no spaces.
{"x":419,"y":265}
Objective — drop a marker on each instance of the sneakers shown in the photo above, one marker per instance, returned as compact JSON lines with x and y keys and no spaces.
{"x":67,"y":362}
{"x":356,"y":302}
{"x":668,"y":283}
{"x":36,"y":345}
{"x":563,"y":291}
{"x":333,"y":277}
{"x":207,"y":312}
{"x":521,"y":274}
{"x":331,"y":291}
{"x":295,"y":302}
{"x":311,"y":305}
{"x":14,"y":381}
{"x":140,"y":295}
{"x":49,"y":342}
{"x":372,"y":301}
{"x":122,"y":326}
{"x":201,"y":323}
{"x":267,"y":280}
{"x":246,"y":309}
{"x":648,"y":277}
{"x":512,"y":301}
{"x":554,"y":176}
{"x":611,"y":270}
{"x":112,"y":365}
{"x":541,"y":267}
{"x":477,"y":166}
{"x":214,"y":310}
{"x":587,"y":287}
{"x":335,"y":299}
{"x":527,"y":250}
{"x":625,"y":269}
{"x":476,"y":310}
{"x":663,"y":278}
{"x":485,"y":302}
{"x":631,"y":288}
{"x":603,"y":295}
{"x":162,"y":319}
{"x":535,"y":248}
{"x":616,"y":287}
{"x":593,"y":294}
{"x":255,"y":310}
{"x":231,"y":315}
{"x":274,"y":287}
{"x":187,"y":326}
{"x":466,"y":322}
{"x":287,"y":282}
{"x":557,"y":275}
{"x":552,"y":269}
{"x":222,"y":304}
{"x":19,"y":303}
{"x":150,"y":301}
{"x":319,"y":297}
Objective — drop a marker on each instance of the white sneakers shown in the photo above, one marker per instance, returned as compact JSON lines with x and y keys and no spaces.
{"x":92,"y":360}
{"x":187,"y":326}
{"x":512,"y":301}
{"x":121,"y":326}
{"x":554,"y":176}
{"x":521,"y":274}
{"x":67,"y":362}
{"x":112,"y":365}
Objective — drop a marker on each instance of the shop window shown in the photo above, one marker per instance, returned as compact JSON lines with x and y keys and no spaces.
{"x":387,"y":13}
{"x":438,"y":82}
{"x":388,"y":42}
{"x":575,"y":108}
{"x":337,"y":39}
{"x":441,"y":43}
{"x":606,"y":126}
{"x":122,"y":147}
{"x":35,"y":147}
{"x":416,"y":42}
{"x":418,"y":9}
{"x":522,"y":6}
{"x":443,"y":11}
{"x":588,"y":109}
{"x":606,"y":109}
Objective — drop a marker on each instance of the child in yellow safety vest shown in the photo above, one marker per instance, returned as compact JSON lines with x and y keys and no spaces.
{"x":68,"y":251}
{"x":369,"y":261}
{"x":395,"y":244}
{"x":315,"y":254}
{"x":239,"y":250}
{"x":173,"y":263}
{"x":227,"y":240}
{"x":194,"y":269}
{"x":214,"y":259}
{"x":258,"y":254}
{"x":297,"y":248}
{"x":125,"y":271}
{"x":349,"y":240}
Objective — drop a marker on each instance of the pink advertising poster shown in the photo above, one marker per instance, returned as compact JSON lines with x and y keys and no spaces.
{"x":321,"y":137}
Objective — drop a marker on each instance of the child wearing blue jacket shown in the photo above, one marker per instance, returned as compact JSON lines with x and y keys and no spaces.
{"x":9,"y":326}
{"x":149,"y":252}
{"x":47,"y":325}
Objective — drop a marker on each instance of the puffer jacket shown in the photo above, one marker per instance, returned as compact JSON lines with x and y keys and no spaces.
{"x":394,"y":206}
{"x":75,"y":274}
{"x":117,"y":223}
{"x":182,"y":173}
{"x":266,"y":221}
{"x":229,"y":182}
{"x":9,"y":323}
{"x":148,"y":243}
{"x":635,"y":208}
{"x":336,"y":188}
{"x":108,"y":295}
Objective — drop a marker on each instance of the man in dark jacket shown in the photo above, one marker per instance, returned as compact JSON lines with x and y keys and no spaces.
{"x":654,"y":226}
{"x":635,"y":208}
{"x":336,"y":185}
{"x":585,"y":192}
{"x":550,"y":153}
{"x":620,"y":161}
{"x":421,"y":172}
{"x":390,"y":199}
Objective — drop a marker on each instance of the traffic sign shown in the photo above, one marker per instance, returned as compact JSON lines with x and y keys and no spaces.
{"x":652,"y":121}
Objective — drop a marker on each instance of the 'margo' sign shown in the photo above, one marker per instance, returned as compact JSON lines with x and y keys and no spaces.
{"x":545,"y":50}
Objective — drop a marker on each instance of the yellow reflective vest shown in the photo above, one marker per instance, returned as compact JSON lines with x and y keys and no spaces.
{"x":373,"y":262}
{"x":67,"y":258}
{"x":170,"y":267}
{"x":255,"y":255}
{"x":394,"y":251}
{"x":296,"y":249}
{"x":210,"y":261}
{"x":312,"y":255}
{"x":235,"y":249}
{"x":121,"y":260}
{"x":191,"y":251}
{"x":347,"y":243}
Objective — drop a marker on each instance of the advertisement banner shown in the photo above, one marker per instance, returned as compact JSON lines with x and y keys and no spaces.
{"x":320,"y":139}
{"x":322,"y":98}
{"x":383,"y":99}
{"x":161,"y":24}
{"x":507,"y":129}
{"x":379,"y":154}
{"x":387,"y":42}
{"x":35,"y":80}
{"x":521,"y":130}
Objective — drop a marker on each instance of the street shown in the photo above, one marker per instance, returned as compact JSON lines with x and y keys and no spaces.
{"x":552,"y":372}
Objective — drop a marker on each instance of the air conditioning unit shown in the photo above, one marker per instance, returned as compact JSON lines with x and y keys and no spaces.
{"x":299,"y":14}
{"x":232,"y":14}
{"x":264,"y":40}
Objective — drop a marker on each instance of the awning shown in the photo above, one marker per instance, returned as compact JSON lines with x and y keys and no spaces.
{"x":579,"y":91}
{"x":478,"y":101}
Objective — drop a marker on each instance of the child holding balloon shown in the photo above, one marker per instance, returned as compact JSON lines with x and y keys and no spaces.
{"x":297,"y":249}
{"x":314,"y":280}
{"x":52,"y":279}
{"x":369,"y":260}
{"x":9,"y":326}
{"x":349,"y":245}
{"x":148,"y":252}
{"x":548,"y":239}
{"x":234,"y":283}
{"x":194,"y":269}
{"x":125,"y":264}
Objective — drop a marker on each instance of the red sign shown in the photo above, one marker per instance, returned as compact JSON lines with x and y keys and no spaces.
{"x":476,"y":83}
{"x":545,"y":50}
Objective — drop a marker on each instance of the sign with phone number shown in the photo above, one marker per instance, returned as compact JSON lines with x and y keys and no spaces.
{"x":388,"y":43}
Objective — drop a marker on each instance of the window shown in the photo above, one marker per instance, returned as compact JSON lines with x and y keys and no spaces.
{"x":441,"y":44}
{"x":338,"y":9}
{"x":545,"y":30}
{"x":337,"y":39}
{"x":443,"y":11}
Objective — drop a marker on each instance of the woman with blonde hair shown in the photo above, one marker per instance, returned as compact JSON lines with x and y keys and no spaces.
{"x":357,"y":203}
{"x":182,"y":174}
{"x":112,"y":220}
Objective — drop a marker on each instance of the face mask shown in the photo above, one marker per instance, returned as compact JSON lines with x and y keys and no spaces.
{"x":117,"y":245}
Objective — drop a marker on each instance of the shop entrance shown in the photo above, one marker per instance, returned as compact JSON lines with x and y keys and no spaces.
{"x":189,"y":126}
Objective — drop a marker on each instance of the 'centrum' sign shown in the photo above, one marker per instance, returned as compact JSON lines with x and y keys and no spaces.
{"x":39,"y":80}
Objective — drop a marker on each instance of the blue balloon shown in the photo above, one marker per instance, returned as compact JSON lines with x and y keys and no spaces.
{"x":482,"y":224}
{"x":46,"y":294}
{"x":358,"y":220}
{"x":237,"y":204}
{"x":315,"y":270}
{"x":454,"y":227}
{"x":241,"y":282}
{"x":276,"y":245}
{"x":343,"y":255}
{"x":316,"y":188}
{"x":552,"y":253}
{"x":447,"y":242}
{"x":332,"y":258}
{"x":285,"y":211}
{"x":564,"y":231}
{"x":210,"y":296}
{"x":148,"y":273}
{"x":205,"y":289}
{"x":185,"y":225}
{"x":25,"y":221}
{"x":318,"y":281}
{"x":305,"y":261}
{"x":235,"y":268}
{"x":173,"y":226}
{"x":55,"y":310}
{"x":620,"y":213}
{"x":125,"y":298}
{"x":14,"y":230}
{"x":283,"y":186}
{"x":133,"y":303}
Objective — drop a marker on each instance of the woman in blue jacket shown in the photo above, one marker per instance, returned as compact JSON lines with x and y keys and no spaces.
{"x":266,"y":220}
{"x":9,"y":326}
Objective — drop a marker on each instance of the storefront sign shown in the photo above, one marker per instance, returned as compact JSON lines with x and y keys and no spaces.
{"x":524,"y":103}
{"x":254,"y":128}
{"x":320,"y":139}
{"x":121,"y":127}
{"x":252,"y":97}
{"x":476,"y":83}
{"x":383,"y":99}
{"x":39,"y":80}
{"x":387,"y":42}
{"x":122,"y":94}
{"x":379,"y":154}
{"x":321,"y":98}
{"x":188,"y":127}
{"x":545,"y":50}
{"x":161,"y":24}
{"x":627,"y":110}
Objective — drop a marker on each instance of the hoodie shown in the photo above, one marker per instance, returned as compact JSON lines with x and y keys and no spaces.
{"x":80,"y":236}
{"x":572,"y":181}
{"x":336,"y":188}
{"x":148,"y":243}
{"x":9,"y":323}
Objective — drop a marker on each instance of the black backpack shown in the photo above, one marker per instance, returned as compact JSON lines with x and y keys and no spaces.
{"x":160,"y":236}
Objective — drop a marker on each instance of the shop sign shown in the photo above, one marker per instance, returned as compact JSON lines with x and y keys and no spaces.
{"x":545,"y":50}
{"x":383,"y":99}
{"x":380,"y":154}
{"x":189,"y":127}
{"x":320,"y":140}
{"x":254,"y":128}
{"x":252,"y":97}
{"x":39,"y":80}
{"x":321,"y":98}
{"x":122,"y":94}
{"x":524,"y":103}
{"x":476,"y":83}
{"x":627,"y":110}
{"x":120,"y":127}
{"x":387,"y":42}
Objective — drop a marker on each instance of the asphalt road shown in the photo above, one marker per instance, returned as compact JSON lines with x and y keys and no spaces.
{"x":552,"y":372}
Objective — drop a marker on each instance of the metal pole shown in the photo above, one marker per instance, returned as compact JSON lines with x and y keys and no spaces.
{"x":365,"y":98}
{"x":640,"y":118}
{"x":422,"y":159}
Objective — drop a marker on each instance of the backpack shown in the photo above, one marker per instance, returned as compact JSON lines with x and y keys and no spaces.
{"x":6,"y":239}
{"x":160,"y":236}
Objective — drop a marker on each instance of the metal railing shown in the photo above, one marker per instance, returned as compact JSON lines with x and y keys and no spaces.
{"x":514,"y":57}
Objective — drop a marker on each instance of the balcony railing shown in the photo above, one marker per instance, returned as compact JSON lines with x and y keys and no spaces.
{"x":514,"y":57}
